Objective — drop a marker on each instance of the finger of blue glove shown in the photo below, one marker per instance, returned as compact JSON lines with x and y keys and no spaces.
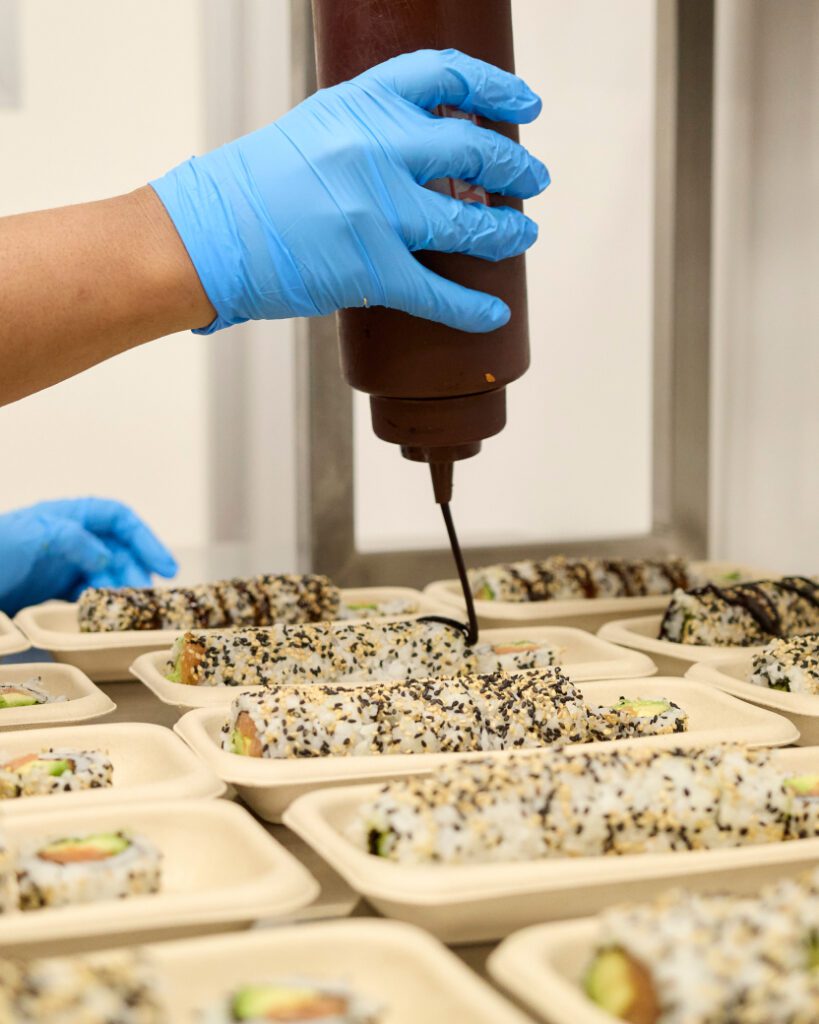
{"x":433,"y":297}
{"x":431,"y":77}
{"x":489,"y":232}
{"x":112,"y":518}
{"x":454,"y":148}
{"x":68,"y":541}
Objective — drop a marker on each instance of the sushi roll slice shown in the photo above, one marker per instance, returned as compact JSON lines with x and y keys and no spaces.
{"x":257,"y":601}
{"x":473,"y":713}
{"x":289,"y":1001}
{"x":743,"y":615}
{"x":556,"y":804}
{"x":789,"y":665}
{"x":560,"y":578}
{"x":26,"y":695}
{"x":689,"y":957}
{"x":117,"y":987}
{"x":85,"y":869}
{"x":8,"y":882}
{"x":628,"y":719}
{"x":378,"y":609}
{"x":322,"y":652}
{"x":56,"y":770}
{"x":515,"y":656}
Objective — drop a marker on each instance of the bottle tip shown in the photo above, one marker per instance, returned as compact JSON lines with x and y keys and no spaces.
{"x":441,"y":473}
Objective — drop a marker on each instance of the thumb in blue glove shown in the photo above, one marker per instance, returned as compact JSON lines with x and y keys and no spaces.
{"x":56,"y":548}
{"x":323,"y":209}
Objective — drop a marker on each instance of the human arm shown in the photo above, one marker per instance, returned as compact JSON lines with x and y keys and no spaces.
{"x":318,"y":211}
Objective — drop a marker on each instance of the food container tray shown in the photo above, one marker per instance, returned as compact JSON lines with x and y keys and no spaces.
{"x":84,"y":699}
{"x":106,"y":657}
{"x":412,"y":976}
{"x":584,"y":614}
{"x":731,"y":675}
{"x":150,"y":763}
{"x":672,"y":659}
{"x":543,"y":966}
{"x":270,"y":786}
{"x":480,"y":902}
{"x":584,"y":657}
{"x":12,"y":641}
{"x":219,"y":867}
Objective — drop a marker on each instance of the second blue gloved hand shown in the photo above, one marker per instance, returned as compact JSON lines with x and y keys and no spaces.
{"x":322,"y":209}
{"x":57,"y":548}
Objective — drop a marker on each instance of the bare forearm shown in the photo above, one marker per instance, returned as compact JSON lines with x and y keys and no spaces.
{"x":81,"y":283}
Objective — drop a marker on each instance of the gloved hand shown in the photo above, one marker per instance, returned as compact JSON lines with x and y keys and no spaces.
{"x":57,"y":548}
{"x":321,"y":209}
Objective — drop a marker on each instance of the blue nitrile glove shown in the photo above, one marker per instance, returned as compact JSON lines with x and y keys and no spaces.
{"x":57,"y":548}
{"x":321,"y":209}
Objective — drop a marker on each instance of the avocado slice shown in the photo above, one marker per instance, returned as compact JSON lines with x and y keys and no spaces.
{"x":16,"y":699}
{"x":803,"y":785}
{"x":363,"y":607}
{"x":642,"y":708}
{"x":56,"y":766}
{"x":99,"y":846}
{"x":813,"y":952}
{"x":486,"y":593}
{"x":272,"y":1002}
{"x":620,"y":986}
{"x":240,"y":744}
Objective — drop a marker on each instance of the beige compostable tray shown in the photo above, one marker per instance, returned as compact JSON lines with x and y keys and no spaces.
{"x":480,"y":902}
{"x":12,"y":641}
{"x":85,"y":701}
{"x":587,"y":614}
{"x":106,"y":657}
{"x":270,"y":786}
{"x":220,"y":869}
{"x":583,"y":657}
{"x":731,"y":675}
{"x":414,"y":977}
{"x":671,"y":658}
{"x":150,"y":763}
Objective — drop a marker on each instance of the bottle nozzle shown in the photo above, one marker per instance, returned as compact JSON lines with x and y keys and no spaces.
{"x":441,"y":473}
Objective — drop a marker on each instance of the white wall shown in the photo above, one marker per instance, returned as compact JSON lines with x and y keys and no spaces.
{"x":111,"y":96}
{"x":766,"y":299}
{"x":574,"y":460}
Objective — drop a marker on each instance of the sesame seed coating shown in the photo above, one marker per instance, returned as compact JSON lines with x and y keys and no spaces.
{"x":791,"y":665}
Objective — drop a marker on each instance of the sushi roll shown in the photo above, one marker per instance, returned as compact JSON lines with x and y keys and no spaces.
{"x":322,"y":652}
{"x":789,"y":665}
{"x":8,"y":881}
{"x":556,"y":804}
{"x":515,"y":656}
{"x":26,"y":695}
{"x":257,"y":601}
{"x":560,"y":578}
{"x":378,"y":609}
{"x":56,"y":770}
{"x":628,"y":719}
{"x":473,"y":713}
{"x":85,"y":869}
{"x":117,"y":987}
{"x":291,"y":1000}
{"x":743,"y":615}
{"x":689,"y":957}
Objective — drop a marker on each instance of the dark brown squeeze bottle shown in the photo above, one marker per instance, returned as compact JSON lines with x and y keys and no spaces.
{"x":435,"y":391}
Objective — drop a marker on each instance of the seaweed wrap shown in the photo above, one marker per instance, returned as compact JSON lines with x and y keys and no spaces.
{"x":56,"y":770}
{"x":553,"y":803}
{"x":687,"y":957}
{"x":85,"y":869}
{"x":628,"y":719}
{"x":560,"y":578}
{"x":26,"y":695}
{"x":790,"y":665}
{"x":118,"y":987}
{"x":257,"y":601}
{"x":296,"y":999}
{"x":335,"y":651}
{"x":472,"y":713}
{"x":743,"y":615}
